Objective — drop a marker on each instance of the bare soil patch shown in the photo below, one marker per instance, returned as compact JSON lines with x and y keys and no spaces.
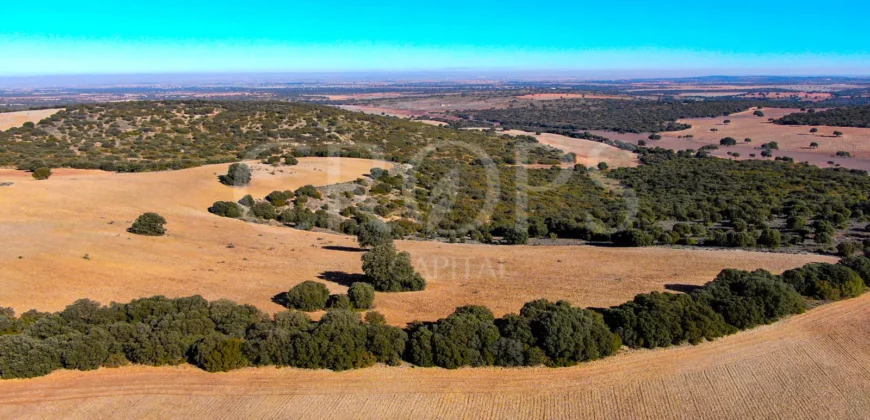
{"x":18,"y":118}
{"x":794,"y":141}
{"x":589,"y":153}
{"x":815,"y":365}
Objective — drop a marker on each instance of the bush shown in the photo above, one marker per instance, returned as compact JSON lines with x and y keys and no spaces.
{"x":374,"y":232}
{"x":290,"y":160}
{"x":42,"y":173}
{"x":247,"y":200}
{"x":632,"y":237}
{"x":280,"y":198}
{"x":665,"y":319}
{"x":375,"y":318}
{"x":308,"y":191}
{"x":227,"y":209}
{"x":568,"y":335}
{"x":218,"y":353}
{"x":825,"y":281}
{"x":307,"y":296}
{"x":516,"y":236}
{"x":362,"y":295}
{"x":264,"y":210}
{"x":859,"y":264}
{"x":338,"y":302}
{"x":22,"y":356}
{"x":847,"y":249}
{"x":389,"y":271}
{"x":149,"y":224}
{"x":239,"y":174}
{"x":747,"y":299}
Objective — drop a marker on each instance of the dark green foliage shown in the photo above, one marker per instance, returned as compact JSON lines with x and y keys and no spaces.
{"x":22,"y":356}
{"x":375,"y":318}
{"x":280,"y":198}
{"x":42,"y":173}
{"x":847,"y":249}
{"x":307,"y":296}
{"x":825,"y":281}
{"x":746,"y":299}
{"x":374,"y":232}
{"x":569,"y":335}
{"x":290,"y":160}
{"x":341,"y":340}
{"x":227,"y":209}
{"x":516,"y":237}
{"x":728,"y":141}
{"x":149,"y":224}
{"x":362,"y":295}
{"x":386,"y":343}
{"x":606,"y":114}
{"x":218,"y":353}
{"x":238,"y":175}
{"x":665,"y":319}
{"x":859,"y":264}
{"x":391,"y":271}
{"x":851,"y":116}
{"x":247,"y":200}
{"x":338,"y":302}
{"x":633,"y":237}
{"x":264,"y":210}
{"x":308,"y":191}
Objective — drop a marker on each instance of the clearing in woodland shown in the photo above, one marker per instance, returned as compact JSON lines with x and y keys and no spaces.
{"x":70,"y":230}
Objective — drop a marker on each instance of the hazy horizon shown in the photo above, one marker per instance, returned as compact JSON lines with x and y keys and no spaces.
{"x":668,"y":38}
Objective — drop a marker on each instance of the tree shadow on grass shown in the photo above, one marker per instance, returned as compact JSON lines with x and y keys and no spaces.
{"x":342,"y":248}
{"x":342,"y":278}
{"x":684,"y":288}
{"x":281,"y":299}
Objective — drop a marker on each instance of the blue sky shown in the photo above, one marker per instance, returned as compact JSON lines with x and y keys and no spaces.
{"x":763,"y":37}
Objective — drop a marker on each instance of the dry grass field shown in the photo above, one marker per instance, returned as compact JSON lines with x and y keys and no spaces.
{"x":18,"y":118}
{"x":811,"y":366}
{"x":794,"y":141}
{"x":589,"y":153}
{"x":48,"y":227}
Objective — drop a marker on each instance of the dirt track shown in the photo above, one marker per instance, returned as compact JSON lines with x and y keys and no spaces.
{"x":810,"y":366}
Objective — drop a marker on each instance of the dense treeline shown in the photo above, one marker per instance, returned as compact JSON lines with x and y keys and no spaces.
{"x":222,"y":335}
{"x":743,"y":203}
{"x":850,"y":116}
{"x":632,"y":116}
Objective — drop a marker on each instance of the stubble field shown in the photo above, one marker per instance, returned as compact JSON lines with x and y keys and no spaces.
{"x":810,"y":366}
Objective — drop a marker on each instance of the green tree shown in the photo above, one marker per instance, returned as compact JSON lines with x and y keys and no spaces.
{"x":374,"y":232}
{"x":218,"y":353}
{"x":42,"y":173}
{"x":239,"y":174}
{"x":362,"y":295}
{"x":307,"y":296}
{"x":391,"y":271}
{"x":149,"y":224}
{"x":227,"y":209}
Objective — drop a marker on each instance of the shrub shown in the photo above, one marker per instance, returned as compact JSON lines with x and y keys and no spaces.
{"x":602,"y":166}
{"x":389,"y":271}
{"x":386,"y":343}
{"x":632,"y":237}
{"x":227,"y":209}
{"x":362,"y":295}
{"x":728,"y":141}
{"x":22,"y":356}
{"x":568,"y":335}
{"x":859,"y":264}
{"x":338,"y":302}
{"x":665,"y":319}
{"x":375,"y":318}
{"x":42,"y":173}
{"x":149,"y":224}
{"x":247,"y":200}
{"x":847,"y":249}
{"x":307,"y":296}
{"x":747,"y":299}
{"x":218,"y":353}
{"x":264,"y":210}
{"x":308,"y":191}
{"x":374,"y":232}
{"x":516,"y":236}
{"x":280,"y":198}
{"x":239,"y":174}
{"x":290,"y":160}
{"x":825,"y":281}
